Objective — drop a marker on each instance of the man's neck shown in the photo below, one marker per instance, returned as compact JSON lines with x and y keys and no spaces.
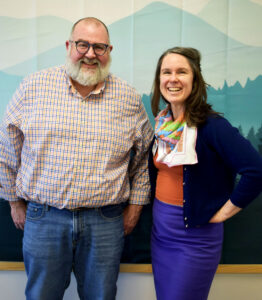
{"x":83,"y":90}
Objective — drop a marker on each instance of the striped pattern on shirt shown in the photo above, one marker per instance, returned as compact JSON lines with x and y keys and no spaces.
{"x":60,"y":149}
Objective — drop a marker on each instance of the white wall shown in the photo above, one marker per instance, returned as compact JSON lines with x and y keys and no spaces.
{"x":140,"y":287}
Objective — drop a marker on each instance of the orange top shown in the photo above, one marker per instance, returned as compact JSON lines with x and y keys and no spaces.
{"x":169,"y":183}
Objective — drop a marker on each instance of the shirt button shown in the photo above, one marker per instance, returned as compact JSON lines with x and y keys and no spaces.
{"x":184,"y":201}
{"x":184,"y":168}
{"x":185,"y":218}
{"x":184,"y":183}
{"x":186,"y":225}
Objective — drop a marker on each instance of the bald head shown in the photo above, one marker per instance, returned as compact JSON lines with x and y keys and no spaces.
{"x":88,"y":68}
{"x":93,"y":21}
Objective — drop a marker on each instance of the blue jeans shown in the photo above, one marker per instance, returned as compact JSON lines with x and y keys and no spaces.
{"x":87,"y":242}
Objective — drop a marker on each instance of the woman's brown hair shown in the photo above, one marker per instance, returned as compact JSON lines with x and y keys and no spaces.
{"x":196,"y":107}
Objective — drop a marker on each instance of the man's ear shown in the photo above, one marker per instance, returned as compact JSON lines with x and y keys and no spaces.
{"x":67,"y":45}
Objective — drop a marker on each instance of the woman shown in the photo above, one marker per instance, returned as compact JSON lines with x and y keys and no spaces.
{"x":195,"y":157}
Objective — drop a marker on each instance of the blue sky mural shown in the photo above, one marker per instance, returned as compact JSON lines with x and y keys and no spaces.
{"x":33,"y":39}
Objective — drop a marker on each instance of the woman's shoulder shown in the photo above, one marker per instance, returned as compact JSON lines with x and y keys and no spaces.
{"x":218,"y":128}
{"x":215,"y":122}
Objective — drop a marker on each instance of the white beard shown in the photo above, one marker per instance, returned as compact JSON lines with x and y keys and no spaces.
{"x":87,"y":77}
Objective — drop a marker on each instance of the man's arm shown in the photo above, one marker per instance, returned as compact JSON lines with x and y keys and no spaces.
{"x":9,"y":163}
{"x":18,"y":212}
{"x":11,"y":143}
{"x":138,"y":172}
{"x":131,"y":216}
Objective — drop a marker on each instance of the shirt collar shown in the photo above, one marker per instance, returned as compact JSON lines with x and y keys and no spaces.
{"x":99,"y":88}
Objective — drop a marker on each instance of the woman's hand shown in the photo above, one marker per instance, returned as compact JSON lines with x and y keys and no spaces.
{"x":227,"y":211}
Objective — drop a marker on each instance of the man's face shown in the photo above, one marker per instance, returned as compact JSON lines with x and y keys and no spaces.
{"x":88,"y":69}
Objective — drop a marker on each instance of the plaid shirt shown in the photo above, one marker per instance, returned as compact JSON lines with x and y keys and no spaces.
{"x":60,"y":149}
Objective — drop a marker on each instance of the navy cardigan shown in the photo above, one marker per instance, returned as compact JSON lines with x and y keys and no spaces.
{"x":222,"y":154}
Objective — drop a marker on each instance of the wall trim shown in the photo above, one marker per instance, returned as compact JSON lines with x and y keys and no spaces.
{"x":147,"y":268}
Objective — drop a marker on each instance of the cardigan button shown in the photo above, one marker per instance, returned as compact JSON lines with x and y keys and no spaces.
{"x":184,"y":168}
{"x":184,"y":201}
{"x":184,"y":183}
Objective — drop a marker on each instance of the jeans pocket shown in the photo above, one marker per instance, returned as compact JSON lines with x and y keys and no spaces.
{"x":35,"y":211}
{"x":111,"y":212}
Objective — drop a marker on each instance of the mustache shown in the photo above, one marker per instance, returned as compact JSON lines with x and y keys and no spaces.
{"x":89,"y":61}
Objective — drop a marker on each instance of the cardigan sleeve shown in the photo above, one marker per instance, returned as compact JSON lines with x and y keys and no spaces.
{"x":238,"y":153}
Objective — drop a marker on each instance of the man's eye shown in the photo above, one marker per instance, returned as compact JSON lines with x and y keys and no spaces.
{"x":82,"y":45}
{"x":99,"y":47}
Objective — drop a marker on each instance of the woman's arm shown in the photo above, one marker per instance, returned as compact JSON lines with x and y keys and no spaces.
{"x":227,"y":211}
{"x":240,"y":156}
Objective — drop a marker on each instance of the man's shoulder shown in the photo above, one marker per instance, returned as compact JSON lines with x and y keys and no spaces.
{"x":121,"y":84}
{"x":52,"y":72}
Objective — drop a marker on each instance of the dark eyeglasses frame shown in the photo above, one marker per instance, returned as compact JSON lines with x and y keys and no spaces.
{"x":90,"y":45}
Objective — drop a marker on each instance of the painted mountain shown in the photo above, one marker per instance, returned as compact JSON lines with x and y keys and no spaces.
{"x":228,"y":34}
{"x":240,"y":105}
{"x":241,"y":19}
{"x":147,"y":33}
{"x":231,"y":67}
{"x":8,"y":85}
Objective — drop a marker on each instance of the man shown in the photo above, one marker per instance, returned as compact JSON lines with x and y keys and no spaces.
{"x":65,"y":168}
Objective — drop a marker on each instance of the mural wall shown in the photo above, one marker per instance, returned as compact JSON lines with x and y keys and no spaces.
{"x":227,"y":33}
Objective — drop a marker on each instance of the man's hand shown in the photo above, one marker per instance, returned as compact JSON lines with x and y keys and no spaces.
{"x":18,"y":212}
{"x":227,"y":211}
{"x":131,"y":215}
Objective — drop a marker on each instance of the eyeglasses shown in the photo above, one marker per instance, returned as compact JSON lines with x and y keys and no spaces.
{"x":83,"y":47}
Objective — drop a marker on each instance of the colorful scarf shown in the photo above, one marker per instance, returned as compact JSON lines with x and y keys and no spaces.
{"x":168,"y":130}
{"x":175,"y":141}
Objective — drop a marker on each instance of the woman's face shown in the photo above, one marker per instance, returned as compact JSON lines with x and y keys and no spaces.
{"x":176,"y":78}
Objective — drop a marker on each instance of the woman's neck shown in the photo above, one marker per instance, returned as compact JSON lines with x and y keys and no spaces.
{"x":177,"y":110}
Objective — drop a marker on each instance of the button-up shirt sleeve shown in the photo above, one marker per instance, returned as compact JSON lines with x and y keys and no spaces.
{"x":140,"y":191}
{"x":11,"y":142}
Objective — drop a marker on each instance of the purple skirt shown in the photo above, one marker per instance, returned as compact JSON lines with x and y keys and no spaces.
{"x":184,"y":260}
